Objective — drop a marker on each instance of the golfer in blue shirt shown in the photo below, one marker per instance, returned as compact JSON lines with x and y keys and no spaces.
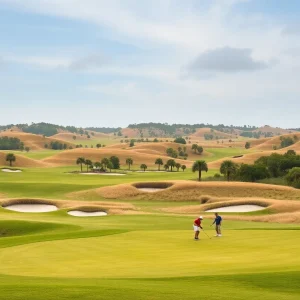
{"x":218,"y":222}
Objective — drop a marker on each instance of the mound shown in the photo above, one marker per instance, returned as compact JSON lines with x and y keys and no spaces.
{"x":275,"y":131}
{"x":33,"y":141}
{"x":200,"y":133}
{"x":22,"y":161}
{"x":69,"y":137}
{"x":245,"y":159}
{"x":278,"y":211}
{"x":195,"y":191}
{"x":270,"y":143}
{"x":69,"y":157}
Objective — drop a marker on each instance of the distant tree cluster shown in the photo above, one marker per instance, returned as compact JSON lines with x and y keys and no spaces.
{"x":56,"y":146}
{"x":173,"y":129}
{"x":287,"y":141}
{"x":104,"y":129}
{"x":180,"y":140}
{"x":11,"y":143}
{"x":275,"y":165}
{"x":197,"y":149}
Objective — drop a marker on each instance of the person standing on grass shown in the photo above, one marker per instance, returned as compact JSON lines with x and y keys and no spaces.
{"x":218,"y":222}
{"x":197,"y":226}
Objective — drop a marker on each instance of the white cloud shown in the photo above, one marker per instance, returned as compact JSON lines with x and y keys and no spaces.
{"x":176,"y":32}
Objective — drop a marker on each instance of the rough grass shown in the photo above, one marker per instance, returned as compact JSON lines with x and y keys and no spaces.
{"x":286,"y":211}
{"x":189,"y":191}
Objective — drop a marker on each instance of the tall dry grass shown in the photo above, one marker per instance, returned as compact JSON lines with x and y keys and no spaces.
{"x":194,"y":191}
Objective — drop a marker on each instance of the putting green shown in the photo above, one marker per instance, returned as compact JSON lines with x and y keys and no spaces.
{"x":155,"y":254}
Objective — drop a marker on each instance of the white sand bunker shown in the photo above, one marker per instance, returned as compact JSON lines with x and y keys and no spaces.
{"x":32,"y":208}
{"x":237,"y":208}
{"x":11,"y":171}
{"x":79,"y":213}
{"x":108,"y":174}
{"x":150,"y":190}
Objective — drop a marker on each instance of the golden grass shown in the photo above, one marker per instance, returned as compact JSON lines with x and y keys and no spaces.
{"x":193,"y":191}
{"x":68,"y":136}
{"x":22,"y":161}
{"x":275,"y":141}
{"x":280,"y":211}
{"x":69,"y":157}
{"x":202,"y":131}
{"x":33,"y":141}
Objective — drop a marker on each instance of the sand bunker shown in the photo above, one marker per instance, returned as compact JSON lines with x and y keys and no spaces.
{"x":11,"y":171}
{"x":109,"y":174}
{"x":151,"y":190}
{"x":237,"y":208}
{"x":79,"y":213}
{"x":31,"y":208}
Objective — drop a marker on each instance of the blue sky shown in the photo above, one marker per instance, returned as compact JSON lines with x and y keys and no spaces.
{"x":100,"y":63}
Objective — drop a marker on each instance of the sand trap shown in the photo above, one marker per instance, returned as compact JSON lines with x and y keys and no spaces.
{"x":237,"y":208}
{"x":11,"y":171}
{"x":79,"y":213}
{"x":31,"y":208}
{"x":108,"y":174}
{"x":150,"y":190}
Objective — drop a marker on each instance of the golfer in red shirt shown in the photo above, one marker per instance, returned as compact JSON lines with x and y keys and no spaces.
{"x":197,"y":226}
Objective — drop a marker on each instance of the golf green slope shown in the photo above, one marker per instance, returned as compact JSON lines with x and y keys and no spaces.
{"x":146,"y":257}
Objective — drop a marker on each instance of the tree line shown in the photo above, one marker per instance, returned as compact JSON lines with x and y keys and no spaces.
{"x":113,"y":163}
{"x":276,"y":165}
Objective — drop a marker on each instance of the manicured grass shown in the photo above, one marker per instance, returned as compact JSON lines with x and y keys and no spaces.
{"x":218,"y":153}
{"x":152,"y":256}
{"x":146,"y":257}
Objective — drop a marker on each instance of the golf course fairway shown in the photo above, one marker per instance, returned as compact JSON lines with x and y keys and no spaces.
{"x":145,"y":257}
{"x":139,"y":250}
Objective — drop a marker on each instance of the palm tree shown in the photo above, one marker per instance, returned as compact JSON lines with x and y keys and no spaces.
{"x":200,"y":165}
{"x":228,"y":168}
{"x":10,"y":157}
{"x":143,"y":167}
{"x":129,"y":162}
{"x":171,"y":163}
{"x":177,"y":165}
{"x":80,"y":161}
{"x":166,"y":167}
{"x":159,"y":162}
{"x":183,"y":167}
{"x":195,"y":147}
{"x":88,"y":164}
{"x":105,"y":162}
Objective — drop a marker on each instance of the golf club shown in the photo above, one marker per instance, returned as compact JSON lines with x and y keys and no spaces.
{"x":206,"y":234}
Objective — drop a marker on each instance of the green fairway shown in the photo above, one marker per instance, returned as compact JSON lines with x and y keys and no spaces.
{"x":145,"y":257}
{"x":148,"y":256}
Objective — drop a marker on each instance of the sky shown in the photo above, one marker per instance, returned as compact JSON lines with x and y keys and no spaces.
{"x":113,"y":63}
